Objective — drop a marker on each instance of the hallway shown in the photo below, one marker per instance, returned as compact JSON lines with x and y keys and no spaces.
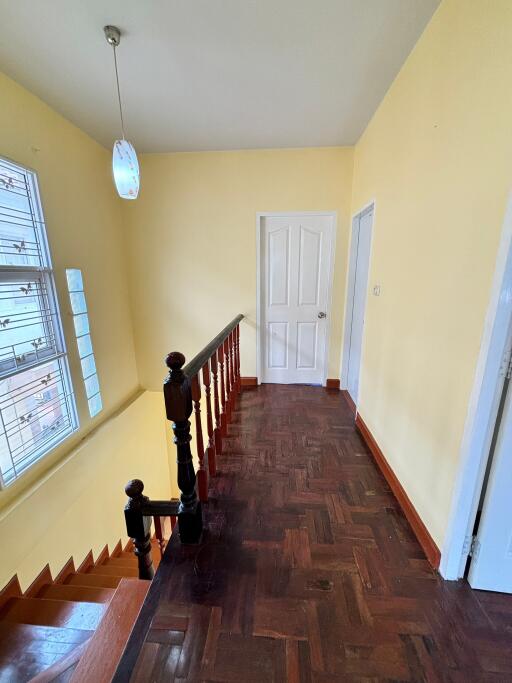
{"x":308,"y":570}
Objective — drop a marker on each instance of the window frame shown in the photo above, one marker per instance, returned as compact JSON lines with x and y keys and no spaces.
{"x":58,"y":353}
{"x":91,"y":405}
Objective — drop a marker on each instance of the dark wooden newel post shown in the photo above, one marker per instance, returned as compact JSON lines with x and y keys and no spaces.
{"x":138,"y":527}
{"x":178,"y":407}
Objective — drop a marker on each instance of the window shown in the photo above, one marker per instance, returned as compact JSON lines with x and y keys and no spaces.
{"x":37,"y":408}
{"x":83,"y":340}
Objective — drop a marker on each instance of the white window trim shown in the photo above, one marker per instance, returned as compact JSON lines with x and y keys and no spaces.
{"x":60,"y":355}
{"x":85,"y":377}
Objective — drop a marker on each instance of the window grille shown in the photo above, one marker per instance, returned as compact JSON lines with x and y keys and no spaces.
{"x":83,"y":340}
{"x":37,"y":408}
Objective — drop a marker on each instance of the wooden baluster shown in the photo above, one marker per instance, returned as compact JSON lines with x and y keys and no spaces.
{"x":231,"y":393}
{"x":212,"y":467}
{"x":159,"y":534}
{"x":223,"y":417}
{"x":202,"y":476}
{"x":138,"y":527}
{"x":233,"y":365}
{"x":228,"y":382}
{"x":178,"y":407}
{"x":237,"y":345}
{"x":217,"y":432}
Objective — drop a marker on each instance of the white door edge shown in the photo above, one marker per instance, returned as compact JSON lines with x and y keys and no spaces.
{"x":371,"y":205}
{"x":491,"y":560}
{"x":334,"y":229}
{"x":482,"y":411}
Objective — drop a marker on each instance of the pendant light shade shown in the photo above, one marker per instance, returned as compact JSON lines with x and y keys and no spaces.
{"x":125,"y":166}
{"x":126,"y":169}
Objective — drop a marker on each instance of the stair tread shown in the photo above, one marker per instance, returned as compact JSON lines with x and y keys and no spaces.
{"x":131,"y":562}
{"x":50,"y":612}
{"x":105,"y":570}
{"x":98,"y":580}
{"x":26,"y":649}
{"x":76,"y":593}
{"x":120,"y":562}
{"x":21,"y":633}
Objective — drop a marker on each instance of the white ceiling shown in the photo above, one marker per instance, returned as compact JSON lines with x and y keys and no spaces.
{"x":213,"y":74}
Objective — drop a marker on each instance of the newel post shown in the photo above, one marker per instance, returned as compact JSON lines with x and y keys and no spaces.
{"x":178,"y":407}
{"x":138,"y":527}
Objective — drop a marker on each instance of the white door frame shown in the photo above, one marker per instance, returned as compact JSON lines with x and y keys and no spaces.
{"x":346,"y":337}
{"x":295,"y":214}
{"x":482,"y":411}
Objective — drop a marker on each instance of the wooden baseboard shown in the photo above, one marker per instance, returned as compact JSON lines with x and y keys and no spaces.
{"x":420,"y":530}
{"x":117,"y":550}
{"x":102,"y":557}
{"x":87,"y":562}
{"x":11,"y":590}
{"x":249,"y":381}
{"x":67,"y":569}
{"x":350,"y":402}
{"x":332,"y":383}
{"x":44,"y":577}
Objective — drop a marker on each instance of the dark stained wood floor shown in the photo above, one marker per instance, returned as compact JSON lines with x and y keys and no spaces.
{"x":309,"y":572}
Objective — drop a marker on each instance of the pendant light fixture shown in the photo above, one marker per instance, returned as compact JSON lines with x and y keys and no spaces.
{"x":125,"y":166}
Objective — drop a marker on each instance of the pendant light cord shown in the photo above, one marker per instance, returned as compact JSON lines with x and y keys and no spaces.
{"x":119,"y":93}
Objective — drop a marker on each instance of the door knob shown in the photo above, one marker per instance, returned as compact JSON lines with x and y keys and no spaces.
{"x":322,"y":314}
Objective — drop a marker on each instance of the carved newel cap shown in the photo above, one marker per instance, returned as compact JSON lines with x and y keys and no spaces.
{"x":134,"y":488}
{"x":175,"y":360}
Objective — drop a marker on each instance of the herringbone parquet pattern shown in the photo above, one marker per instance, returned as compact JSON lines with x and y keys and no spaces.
{"x":309,"y":572}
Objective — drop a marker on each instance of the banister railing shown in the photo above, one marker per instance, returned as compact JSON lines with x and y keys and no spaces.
{"x":216,"y":369}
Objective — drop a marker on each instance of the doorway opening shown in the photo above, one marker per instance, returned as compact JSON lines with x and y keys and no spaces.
{"x":357,"y":289}
{"x":295,"y":253}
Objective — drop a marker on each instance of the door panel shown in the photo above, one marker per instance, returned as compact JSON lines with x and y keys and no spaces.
{"x":278,"y":345}
{"x":295,"y":268}
{"x":356,"y":301}
{"x":306,"y":344}
{"x":279,"y":266}
{"x":309,"y":266}
{"x":491,"y":564}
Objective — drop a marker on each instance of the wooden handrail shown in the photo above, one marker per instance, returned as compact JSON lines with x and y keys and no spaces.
{"x":182,"y":395}
{"x":194,"y":366}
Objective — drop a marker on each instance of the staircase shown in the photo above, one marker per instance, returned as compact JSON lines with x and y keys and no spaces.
{"x":45,"y":631}
{"x":75,"y":628}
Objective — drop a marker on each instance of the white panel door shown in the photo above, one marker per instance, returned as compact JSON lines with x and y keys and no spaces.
{"x":491,"y":564}
{"x":295,"y":271}
{"x":356,"y":299}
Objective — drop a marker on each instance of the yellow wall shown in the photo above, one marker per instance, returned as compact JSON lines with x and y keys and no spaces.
{"x":192,"y":235}
{"x":83,"y":220}
{"x":437,"y":157}
{"x":72,"y":500}
{"x":79,"y":507}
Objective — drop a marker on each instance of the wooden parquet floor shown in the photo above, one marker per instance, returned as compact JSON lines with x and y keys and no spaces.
{"x":309,"y":572}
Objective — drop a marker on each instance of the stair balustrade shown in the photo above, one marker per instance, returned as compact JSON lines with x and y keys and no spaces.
{"x":215,"y":368}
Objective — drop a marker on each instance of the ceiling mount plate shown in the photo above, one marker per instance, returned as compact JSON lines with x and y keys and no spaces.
{"x":113,"y":35}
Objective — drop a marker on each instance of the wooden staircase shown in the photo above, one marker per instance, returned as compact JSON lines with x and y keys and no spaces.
{"x":45,"y":631}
